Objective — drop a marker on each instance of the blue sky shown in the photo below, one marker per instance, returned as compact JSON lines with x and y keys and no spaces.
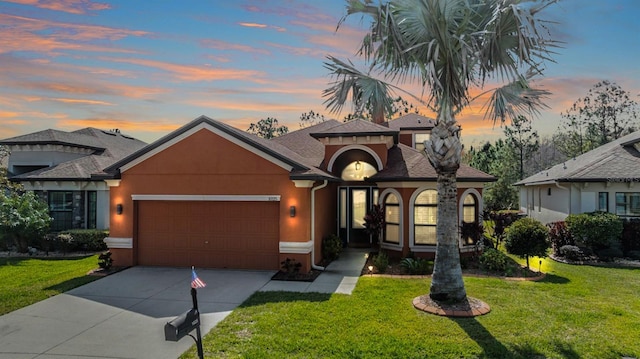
{"x":147,"y":68}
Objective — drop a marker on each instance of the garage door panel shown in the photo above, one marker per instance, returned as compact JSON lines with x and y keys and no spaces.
{"x":209,"y":234}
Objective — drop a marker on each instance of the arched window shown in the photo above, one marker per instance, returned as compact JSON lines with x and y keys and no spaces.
{"x":392,"y":219}
{"x":471,"y":232}
{"x":357,"y":171}
{"x":425,"y":216}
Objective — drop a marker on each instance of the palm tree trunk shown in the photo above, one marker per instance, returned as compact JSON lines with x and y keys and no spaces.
{"x":444,"y":152}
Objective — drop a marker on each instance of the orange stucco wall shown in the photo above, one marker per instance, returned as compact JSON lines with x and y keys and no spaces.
{"x":207,"y":164}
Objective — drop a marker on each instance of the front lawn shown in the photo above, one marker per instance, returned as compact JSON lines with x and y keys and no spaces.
{"x":575,"y":312}
{"x":24,"y":281}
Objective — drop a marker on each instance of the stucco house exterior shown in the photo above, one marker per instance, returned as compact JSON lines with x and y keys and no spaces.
{"x":604,"y":179}
{"x":64,"y":169}
{"x":211,"y":195}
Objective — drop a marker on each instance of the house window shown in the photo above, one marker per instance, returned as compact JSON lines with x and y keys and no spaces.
{"x":469,"y":219}
{"x":92,"y":209}
{"x":357,"y":171}
{"x":603,"y":201}
{"x":61,"y":210}
{"x":628,"y":204}
{"x":425,"y":216}
{"x":343,"y":208}
{"x":392,"y":219}
{"x":418,"y":140}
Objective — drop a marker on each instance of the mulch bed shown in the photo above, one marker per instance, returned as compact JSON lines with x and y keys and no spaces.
{"x":298,"y":277}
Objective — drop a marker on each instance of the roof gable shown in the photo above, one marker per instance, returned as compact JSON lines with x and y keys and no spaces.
{"x":355,"y":128}
{"x":617,"y":159}
{"x":412,"y":122}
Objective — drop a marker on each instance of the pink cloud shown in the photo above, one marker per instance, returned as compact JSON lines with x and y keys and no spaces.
{"x":123,"y":125}
{"x":70,"y":6}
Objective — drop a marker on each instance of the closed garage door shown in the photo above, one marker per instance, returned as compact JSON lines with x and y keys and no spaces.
{"x":240,"y":235}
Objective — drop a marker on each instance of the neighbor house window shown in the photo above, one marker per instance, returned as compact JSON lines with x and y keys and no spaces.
{"x":628,"y":204}
{"x":603,"y":201}
{"x":392,"y":219}
{"x":92,"y":209}
{"x":61,"y":210}
{"x":425,"y":216}
{"x":469,"y":219}
{"x":418,"y":140}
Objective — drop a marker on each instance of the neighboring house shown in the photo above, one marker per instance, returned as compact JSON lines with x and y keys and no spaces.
{"x":211,"y":195}
{"x":64,"y":169}
{"x":604,"y":179}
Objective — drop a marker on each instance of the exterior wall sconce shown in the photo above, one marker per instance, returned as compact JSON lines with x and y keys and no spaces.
{"x":119,"y":208}
{"x":292,"y":211}
{"x":358,"y":165}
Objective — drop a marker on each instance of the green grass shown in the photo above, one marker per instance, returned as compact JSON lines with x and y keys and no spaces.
{"x":24,"y":281}
{"x":575,"y":312}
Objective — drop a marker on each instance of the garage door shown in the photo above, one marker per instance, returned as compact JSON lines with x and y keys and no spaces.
{"x":205,"y":234}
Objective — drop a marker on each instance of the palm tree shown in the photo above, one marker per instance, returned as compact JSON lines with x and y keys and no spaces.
{"x":450,"y":47}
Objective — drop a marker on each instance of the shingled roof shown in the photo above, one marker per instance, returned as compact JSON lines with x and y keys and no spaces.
{"x":107,"y":146}
{"x":618,"y":160}
{"x":411,"y":121}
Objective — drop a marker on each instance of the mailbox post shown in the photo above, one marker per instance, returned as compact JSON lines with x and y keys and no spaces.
{"x":185,"y":323}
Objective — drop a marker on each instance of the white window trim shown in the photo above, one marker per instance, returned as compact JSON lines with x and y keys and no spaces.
{"x":354,"y":147}
{"x":428,"y":248}
{"x":381,"y":196}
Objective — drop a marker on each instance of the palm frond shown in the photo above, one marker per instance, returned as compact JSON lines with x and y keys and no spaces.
{"x":515,"y":99}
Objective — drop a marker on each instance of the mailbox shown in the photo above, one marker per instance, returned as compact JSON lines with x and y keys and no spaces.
{"x":181,"y":325}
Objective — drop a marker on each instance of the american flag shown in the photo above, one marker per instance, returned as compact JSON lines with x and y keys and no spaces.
{"x":195,"y":281}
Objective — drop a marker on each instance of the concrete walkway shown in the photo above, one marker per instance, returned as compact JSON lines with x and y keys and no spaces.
{"x":123,"y":315}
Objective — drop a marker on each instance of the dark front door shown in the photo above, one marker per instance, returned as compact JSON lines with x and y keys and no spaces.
{"x":355,"y":202}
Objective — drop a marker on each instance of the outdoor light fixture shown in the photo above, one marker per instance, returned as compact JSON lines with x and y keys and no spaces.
{"x":358,"y":166}
{"x":292,"y":211}
{"x":119,"y":208}
{"x":370,"y":270}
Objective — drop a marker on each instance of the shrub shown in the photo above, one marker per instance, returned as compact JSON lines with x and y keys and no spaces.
{"x":290,"y":266}
{"x":23,"y":217}
{"x":610,"y":253}
{"x":87,"y":239}
{"x":634,"y":255}
{"x":381,"y":261}
{"x":105,"y":261}
{"x":331,"y":247}
{"x":571,"y":252}
{"x":527,"y":238}
{"x":559,"y":236}
{"x":374,"y":222}
{"x":595,"y":230}
{"x":493,"y":260}
{"x":630,"y":240}
{"x":416,"y":266}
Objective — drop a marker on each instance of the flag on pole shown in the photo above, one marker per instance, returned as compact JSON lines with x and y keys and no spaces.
{"x":195,"y":281}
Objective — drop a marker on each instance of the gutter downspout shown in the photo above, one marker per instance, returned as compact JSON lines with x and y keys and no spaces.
{"x":313,"y":225}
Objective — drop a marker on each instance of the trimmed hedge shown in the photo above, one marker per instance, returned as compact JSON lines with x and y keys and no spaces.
{"x":630,"y":241}
{"x":90,"y":240}
{"x":595,"y":230}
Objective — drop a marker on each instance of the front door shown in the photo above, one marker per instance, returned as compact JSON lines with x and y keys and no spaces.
{"x":355,"y":202}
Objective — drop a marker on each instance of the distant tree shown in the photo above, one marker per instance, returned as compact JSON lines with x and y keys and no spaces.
{"x":23,"y":217}
{"x":267,"y":128}
{"x":311,"y":118}
{"x":522,"y":140}
{"x":606,"y":113}
{"x":547,"y":155}
{"x":4,"y":153}
{"x":498,"y":160}
{"x":397,"y":107}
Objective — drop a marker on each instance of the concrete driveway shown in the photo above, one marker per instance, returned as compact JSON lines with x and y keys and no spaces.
{"x":123,"y":315}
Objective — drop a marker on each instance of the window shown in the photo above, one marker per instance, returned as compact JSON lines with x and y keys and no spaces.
{"x":418,"y":140}
{"x":392,"y":219}
{"x":603,"y":201}
{"x":425,"y":216}
{"x":357,"y":171}
{"x":628,"y":204}
{"x":92,"y":207}
{"x":61,"y":210}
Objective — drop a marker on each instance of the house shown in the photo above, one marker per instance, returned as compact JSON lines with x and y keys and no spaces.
{"x":64,"y":169}
{"x":211,"y":195}
{"x":604,"y":179}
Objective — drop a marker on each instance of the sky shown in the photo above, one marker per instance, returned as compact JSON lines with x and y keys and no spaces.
{"x":149,"y":67}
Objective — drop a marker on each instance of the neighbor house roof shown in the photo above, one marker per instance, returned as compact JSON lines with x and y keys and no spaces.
{"x":411,"y":121}
{"x":618,"y":160}
{"x":108,"y":147}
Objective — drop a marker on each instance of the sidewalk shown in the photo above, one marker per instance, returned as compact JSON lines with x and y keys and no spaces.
{"x":340,"y":276}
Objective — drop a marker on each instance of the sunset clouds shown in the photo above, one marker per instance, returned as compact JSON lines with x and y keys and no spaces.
{"x":147,"y":70}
